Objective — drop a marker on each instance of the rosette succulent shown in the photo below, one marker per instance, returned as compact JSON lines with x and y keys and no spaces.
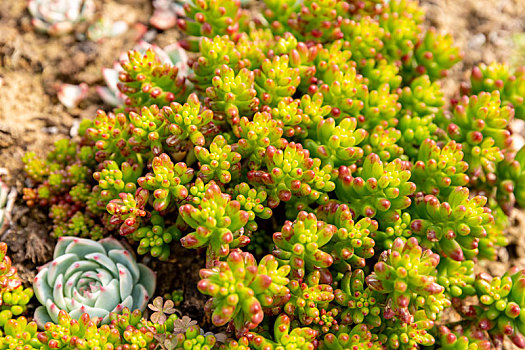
{"x":57,"y":17}
{"x":91,"y":277}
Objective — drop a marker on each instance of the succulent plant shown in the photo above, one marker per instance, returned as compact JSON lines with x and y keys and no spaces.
{"x":435,"y":54}
{"x":165,"y":13}
{"x":457,"y":277}
{"x":439,"y":170}
{"x":276,"y":80}
{"x":219,"y":163}
{"x":146,"y":81}
{"x":380,"y":190}
{"x":253,"y":201}
{"x":300,"y":244}
{"x":233,"y":94}
{"x":497,"y":76}
{"x":403,"y":272}
{"x":502,"y":299}
{"x":399,"y":228}
{"x":460,"y":339}
{"x":91,"y":277}
{"x":384,"y":142}
{"x":15,"y":302}
{"x":20,"y":333}
{"x":257,"y":135}
{"x":292,"y":172}
{"x":360,"y":302}
{"x":408,"y":335}
{"x":195,"y":338}
{"x":172,"y":54}
{"x":352,"y":244}
{"x":217,"y":221}
{"x":337,"y":144}
{"x":285,"y":335}
{"x":479,"y":123}
{"x":308,"y":297}
{"x":356,"y":337}
{"x":240,"y":289}
{"x":210,"y":18}
{"x":9,"y":280}
{"x":57,"y":17}
{"x":71,"y":95}
{"x":128,"y":210}
{"x":462,"y":223}
{"x":167,"y":181}
{"x":156,"y":239}
{"x":323,"y":122}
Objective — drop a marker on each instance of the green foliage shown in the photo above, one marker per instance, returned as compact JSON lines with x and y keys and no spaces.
{"x":240,"y":289}
{"x":147,"y":81}
{"x":360,"y":302}
{"x":406,"y":273}
{"x":379,"y":190}
{"x":452,"y":228}
{"x":217,"y":222}
{"x":479,"y":123}
{"x":317,"y":137}
{"x":300,"y":244}
{"x":209,"y":18}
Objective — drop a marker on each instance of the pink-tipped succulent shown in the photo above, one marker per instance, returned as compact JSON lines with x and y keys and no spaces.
{"x":172,"y":54}
{"x":57,"y":17}
{"x":300,"y":244}
{"x":404,"y":272}
{"x":218,"y":222}
{"x":240,"y":289}
{"x":91,"y":277}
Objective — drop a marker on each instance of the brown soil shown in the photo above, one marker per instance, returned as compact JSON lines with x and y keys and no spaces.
{"x":33,"y":65}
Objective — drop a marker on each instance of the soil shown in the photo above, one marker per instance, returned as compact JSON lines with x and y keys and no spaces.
{"x":33,"y":65}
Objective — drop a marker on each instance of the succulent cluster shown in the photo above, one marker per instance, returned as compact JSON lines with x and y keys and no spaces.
{"x":126,"y":330}
{"x":13,"y":296}
{"x":318,"y":139}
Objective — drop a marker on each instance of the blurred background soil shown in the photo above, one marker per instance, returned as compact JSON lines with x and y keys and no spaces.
{"x":33,"y":65}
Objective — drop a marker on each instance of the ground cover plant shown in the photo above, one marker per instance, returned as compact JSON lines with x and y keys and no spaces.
{"x":307,"y":150}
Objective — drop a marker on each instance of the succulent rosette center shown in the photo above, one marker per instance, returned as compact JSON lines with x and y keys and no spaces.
{"x":91,"y":277}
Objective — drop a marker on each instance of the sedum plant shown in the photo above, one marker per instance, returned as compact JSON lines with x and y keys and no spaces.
{"x":317,"y":136}
{"x":240,"y":289}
